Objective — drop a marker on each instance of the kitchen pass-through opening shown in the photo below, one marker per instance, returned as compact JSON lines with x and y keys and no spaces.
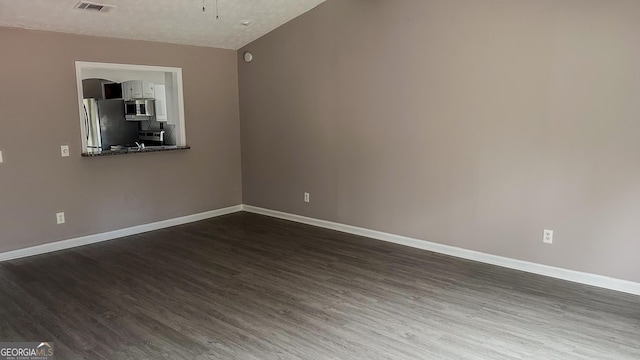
{"x":121,"y":105}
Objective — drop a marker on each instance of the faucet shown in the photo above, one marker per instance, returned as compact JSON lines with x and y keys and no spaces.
{"x":140,"y":146}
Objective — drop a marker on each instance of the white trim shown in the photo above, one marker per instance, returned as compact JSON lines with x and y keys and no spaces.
{"x":182,"y":135}
{"x":91,"y":239}
{"x":130,"y":67}
{"x":554,"y":272}
{"x":83,"y":125}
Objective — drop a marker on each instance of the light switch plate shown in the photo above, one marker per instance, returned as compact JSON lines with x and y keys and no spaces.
{"x":1,"y":158}
{"x":64,"y":150}
{"x":60,"y":218}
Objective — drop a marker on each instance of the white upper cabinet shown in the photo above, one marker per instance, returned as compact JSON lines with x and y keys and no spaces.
{"x":161,"y":103}
{"x":137,"y":89}
{"x":126,"y":91}
{"x":148,"y":90}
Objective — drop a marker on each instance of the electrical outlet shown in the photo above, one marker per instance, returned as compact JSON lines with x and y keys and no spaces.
{"x":60,"y":218}
{"x":547,"y":236}
{"x":64,"y":150}
{"x":306,"y":197}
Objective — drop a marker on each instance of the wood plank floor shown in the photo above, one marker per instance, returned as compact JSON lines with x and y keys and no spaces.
{"x":244,"y":286}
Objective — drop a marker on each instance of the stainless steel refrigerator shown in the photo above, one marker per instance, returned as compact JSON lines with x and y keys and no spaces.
{"x":105,"y":124}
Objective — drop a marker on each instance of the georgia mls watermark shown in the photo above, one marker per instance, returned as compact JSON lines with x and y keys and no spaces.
{"x":26,"y":351}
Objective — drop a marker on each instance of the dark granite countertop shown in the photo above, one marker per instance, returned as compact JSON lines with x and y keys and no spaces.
{"x":127,"y":151}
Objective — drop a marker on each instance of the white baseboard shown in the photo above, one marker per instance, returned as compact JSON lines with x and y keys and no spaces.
{"x":555,"y":272}
{"x":90,"y":239}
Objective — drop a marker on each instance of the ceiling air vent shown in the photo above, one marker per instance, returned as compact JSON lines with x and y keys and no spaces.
{"x":83,"y":5}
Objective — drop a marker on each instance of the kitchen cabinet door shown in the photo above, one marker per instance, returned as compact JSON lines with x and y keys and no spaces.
{"x":148,"y":90}
{"x":126,"y":90}
{"x":161,"y":103}
{"x":136,"y":89}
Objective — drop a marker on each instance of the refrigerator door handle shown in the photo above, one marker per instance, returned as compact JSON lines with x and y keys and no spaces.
{"x":86,"y":120}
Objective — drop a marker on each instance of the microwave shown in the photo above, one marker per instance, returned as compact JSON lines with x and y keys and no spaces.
{"x":139,"y":110}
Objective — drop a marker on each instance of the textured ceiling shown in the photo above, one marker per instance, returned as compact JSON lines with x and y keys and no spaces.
{"x":171,"y":21}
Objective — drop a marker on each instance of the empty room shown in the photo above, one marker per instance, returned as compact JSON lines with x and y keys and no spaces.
{"x":320,"y":179}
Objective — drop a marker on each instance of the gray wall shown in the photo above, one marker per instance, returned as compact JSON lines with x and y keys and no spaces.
{"x":39,"y":112}
{"x":470,"y":123}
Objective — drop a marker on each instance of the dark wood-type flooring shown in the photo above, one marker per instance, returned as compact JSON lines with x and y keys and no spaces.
{"x":244,"y":286}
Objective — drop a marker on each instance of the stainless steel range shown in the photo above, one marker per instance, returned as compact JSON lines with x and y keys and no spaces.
{"x":151,"y":137}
